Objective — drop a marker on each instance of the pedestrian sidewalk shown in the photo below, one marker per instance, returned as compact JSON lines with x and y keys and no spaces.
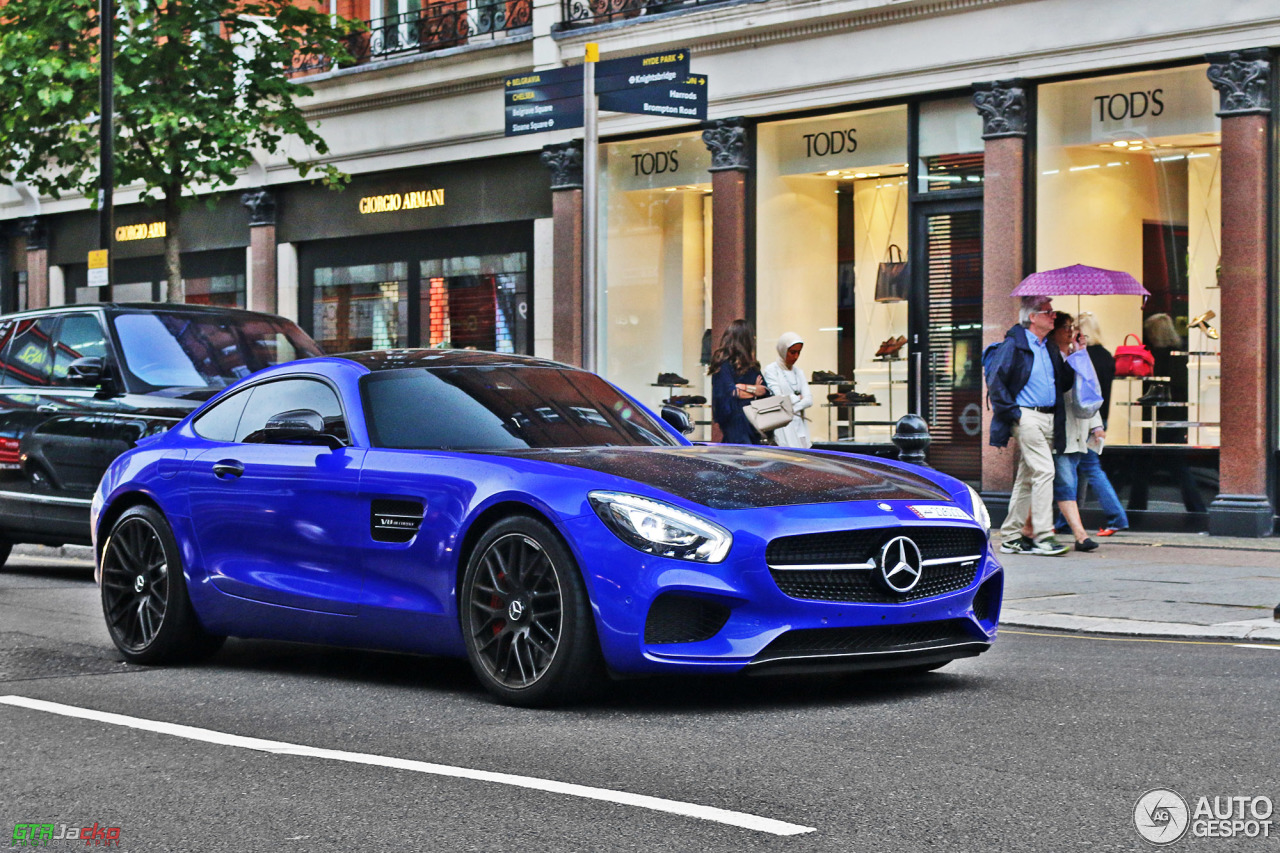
{"x":1152,"y":585}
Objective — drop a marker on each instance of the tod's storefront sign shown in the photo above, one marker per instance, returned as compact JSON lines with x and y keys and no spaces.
{"x":393,"y":202}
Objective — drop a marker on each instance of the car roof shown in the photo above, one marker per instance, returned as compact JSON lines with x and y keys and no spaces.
{"x":397,"y":359}
{"x":134,"y":307}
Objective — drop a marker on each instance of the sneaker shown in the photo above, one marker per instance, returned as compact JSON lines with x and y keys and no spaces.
{"x":1087,"y":545}
{"x":1021,"y":545}
{"x":671,"y":379}
{"x":1048,"y":547}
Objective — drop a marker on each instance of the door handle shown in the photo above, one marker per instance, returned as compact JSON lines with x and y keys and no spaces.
{"x":46,"y":408}
{"x":224,"y":468}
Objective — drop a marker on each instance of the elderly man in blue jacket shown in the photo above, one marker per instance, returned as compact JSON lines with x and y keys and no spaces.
{"x":1025,"y":382}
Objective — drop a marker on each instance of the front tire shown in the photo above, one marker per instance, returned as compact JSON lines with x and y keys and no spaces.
{"x":526,"y":617}
{"x":144,"y":593}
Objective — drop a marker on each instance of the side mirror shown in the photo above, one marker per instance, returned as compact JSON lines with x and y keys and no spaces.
{"x":678,"y":418}
{"x":88,"y":371}
{"x":297,"y":426}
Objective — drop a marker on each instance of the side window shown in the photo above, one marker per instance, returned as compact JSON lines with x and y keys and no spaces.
{"x":272,"y":398}
{"x":79,"y":336}
{"x":27,"y":359}
{"x":220,"y":421}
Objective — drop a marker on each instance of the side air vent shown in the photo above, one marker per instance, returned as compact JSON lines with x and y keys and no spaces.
{"x":682,"y":619}
{"x":395,"y":521}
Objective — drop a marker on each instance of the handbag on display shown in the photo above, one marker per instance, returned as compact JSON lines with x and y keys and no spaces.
{"x":892,"y":284}
{"x":1134,"y":359}
{"x":769,"y":413}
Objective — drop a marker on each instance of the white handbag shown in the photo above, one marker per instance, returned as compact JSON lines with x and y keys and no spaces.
{"x":769,"y":413}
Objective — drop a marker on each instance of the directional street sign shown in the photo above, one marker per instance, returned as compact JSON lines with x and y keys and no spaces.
{"x":686,"y":99}
{"x":672,"y":60}
{"x":656,"y":84}
{"x":540,"y":116}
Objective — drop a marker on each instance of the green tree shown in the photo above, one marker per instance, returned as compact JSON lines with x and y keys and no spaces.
{"x":201,"y":87}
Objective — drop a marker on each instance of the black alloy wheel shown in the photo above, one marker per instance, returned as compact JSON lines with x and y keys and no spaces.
{"x":528,"y":628}
{"x":144,"y":594}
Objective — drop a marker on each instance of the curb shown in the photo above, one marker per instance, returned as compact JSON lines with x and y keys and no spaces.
{"x":1251,"y":631}
{"x":60,"y":552}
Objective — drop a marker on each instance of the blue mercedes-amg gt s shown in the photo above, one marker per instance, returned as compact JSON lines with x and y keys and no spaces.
{"x":533,"y":518}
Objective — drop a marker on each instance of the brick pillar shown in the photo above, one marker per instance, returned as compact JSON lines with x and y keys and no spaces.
{"x":262,"y":281}
{"x":1003,"y":106}
{"x":37,"y":262}
{"x":1243,"y":81}
{"x":730,"y":161}
{"x":565,"y":162}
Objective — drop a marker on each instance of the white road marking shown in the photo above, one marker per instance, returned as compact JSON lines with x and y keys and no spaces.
{"x":1256,"y":646}
{"x":731,"y":818}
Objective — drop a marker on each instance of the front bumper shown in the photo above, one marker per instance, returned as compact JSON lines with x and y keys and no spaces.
{"x":733,"y":616}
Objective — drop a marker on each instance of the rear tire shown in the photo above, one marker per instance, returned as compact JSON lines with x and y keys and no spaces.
{"x":144,"y":593}
{"x":526,"y":617}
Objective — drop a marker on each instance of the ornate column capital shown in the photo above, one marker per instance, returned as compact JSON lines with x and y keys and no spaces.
{"x":1243,"y":81}
{"x":565,"y":162}
{"x":1003,"y":107}
{"x":726,"y":139}
{"x":262,"y":206}
{"x":37,"y":235}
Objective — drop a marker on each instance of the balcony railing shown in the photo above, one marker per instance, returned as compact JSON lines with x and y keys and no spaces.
{"x":438,"y":25}
{"x":581,"y":13}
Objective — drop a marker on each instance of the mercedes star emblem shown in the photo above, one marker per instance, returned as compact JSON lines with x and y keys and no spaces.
{"x":900,"y":564}
{"x":516,"y":610}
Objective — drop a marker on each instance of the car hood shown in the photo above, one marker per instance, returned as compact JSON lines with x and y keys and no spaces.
{"x":741,"y":477}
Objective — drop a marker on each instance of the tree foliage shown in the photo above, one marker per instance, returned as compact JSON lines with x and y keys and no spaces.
{"x":201,"y":87}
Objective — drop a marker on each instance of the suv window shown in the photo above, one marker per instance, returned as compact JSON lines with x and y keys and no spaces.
{"x":219,"y":421}
{"x":272,"y":398}
{"x":79,"y":336}
{"x":26,"y":358}
{"x":173,"y":349}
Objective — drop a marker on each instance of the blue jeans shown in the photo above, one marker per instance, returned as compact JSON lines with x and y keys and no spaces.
{"x":1071,"y":476}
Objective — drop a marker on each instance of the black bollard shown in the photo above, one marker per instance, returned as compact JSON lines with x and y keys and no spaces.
{"x":911,"y":435}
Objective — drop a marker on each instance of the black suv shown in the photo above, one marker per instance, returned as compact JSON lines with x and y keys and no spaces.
{"x":81,"y":384}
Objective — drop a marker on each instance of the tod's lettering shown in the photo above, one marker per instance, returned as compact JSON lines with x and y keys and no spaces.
{"x":1123,"y":105}
{"x":655,"y":163}
{"x":831,"y":142}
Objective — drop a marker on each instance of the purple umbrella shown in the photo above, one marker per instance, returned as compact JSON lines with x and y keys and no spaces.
{"x":1079,"y":280}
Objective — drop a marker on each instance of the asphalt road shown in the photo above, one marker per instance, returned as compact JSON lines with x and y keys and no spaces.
{"x":1044,"y":743}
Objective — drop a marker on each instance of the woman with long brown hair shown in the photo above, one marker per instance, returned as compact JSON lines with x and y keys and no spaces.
{"x":736,"y":379}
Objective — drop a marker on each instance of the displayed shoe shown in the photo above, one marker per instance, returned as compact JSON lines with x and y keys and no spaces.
{"x":1087,"y":545}
{"x":1021,"y":545}
{"x":686,"y":400}
{"x":671,"y":379}
{"x":838,"y":399}
{"x":861,"y":399}
{"x":1202,"y":323}
{"x":890,"y":348}
{"x":1048,"y":547}
{"x":1157,"y":394}
{"x":824,"y":377}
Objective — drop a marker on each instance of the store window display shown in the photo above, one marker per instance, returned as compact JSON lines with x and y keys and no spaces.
{"x":831,"y":262}
{"x":655,"y":308}
{"x":1129,"y":179}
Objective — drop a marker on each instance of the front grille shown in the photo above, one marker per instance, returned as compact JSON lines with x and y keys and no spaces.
{"x":860,"y":546}
{"x":681,"y":619}
{"x":859,"y":585}
{"x":876,"y":639}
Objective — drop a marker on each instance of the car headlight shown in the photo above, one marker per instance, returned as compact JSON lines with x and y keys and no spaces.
{"x":660,"y":528}
{"x":980,"y":513}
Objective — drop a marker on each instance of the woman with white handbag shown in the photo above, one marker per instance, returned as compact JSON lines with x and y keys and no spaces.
{"x":784,"y":379}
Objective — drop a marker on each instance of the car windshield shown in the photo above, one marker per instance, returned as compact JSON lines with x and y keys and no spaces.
{"x":189,"y":350}
{"x":502,"y":408}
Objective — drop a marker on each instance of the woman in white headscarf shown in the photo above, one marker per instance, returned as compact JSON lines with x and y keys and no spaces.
{"x":785,"y":380}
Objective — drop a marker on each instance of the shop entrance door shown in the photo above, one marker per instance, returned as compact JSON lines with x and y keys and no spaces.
{"x":946,"y":369}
